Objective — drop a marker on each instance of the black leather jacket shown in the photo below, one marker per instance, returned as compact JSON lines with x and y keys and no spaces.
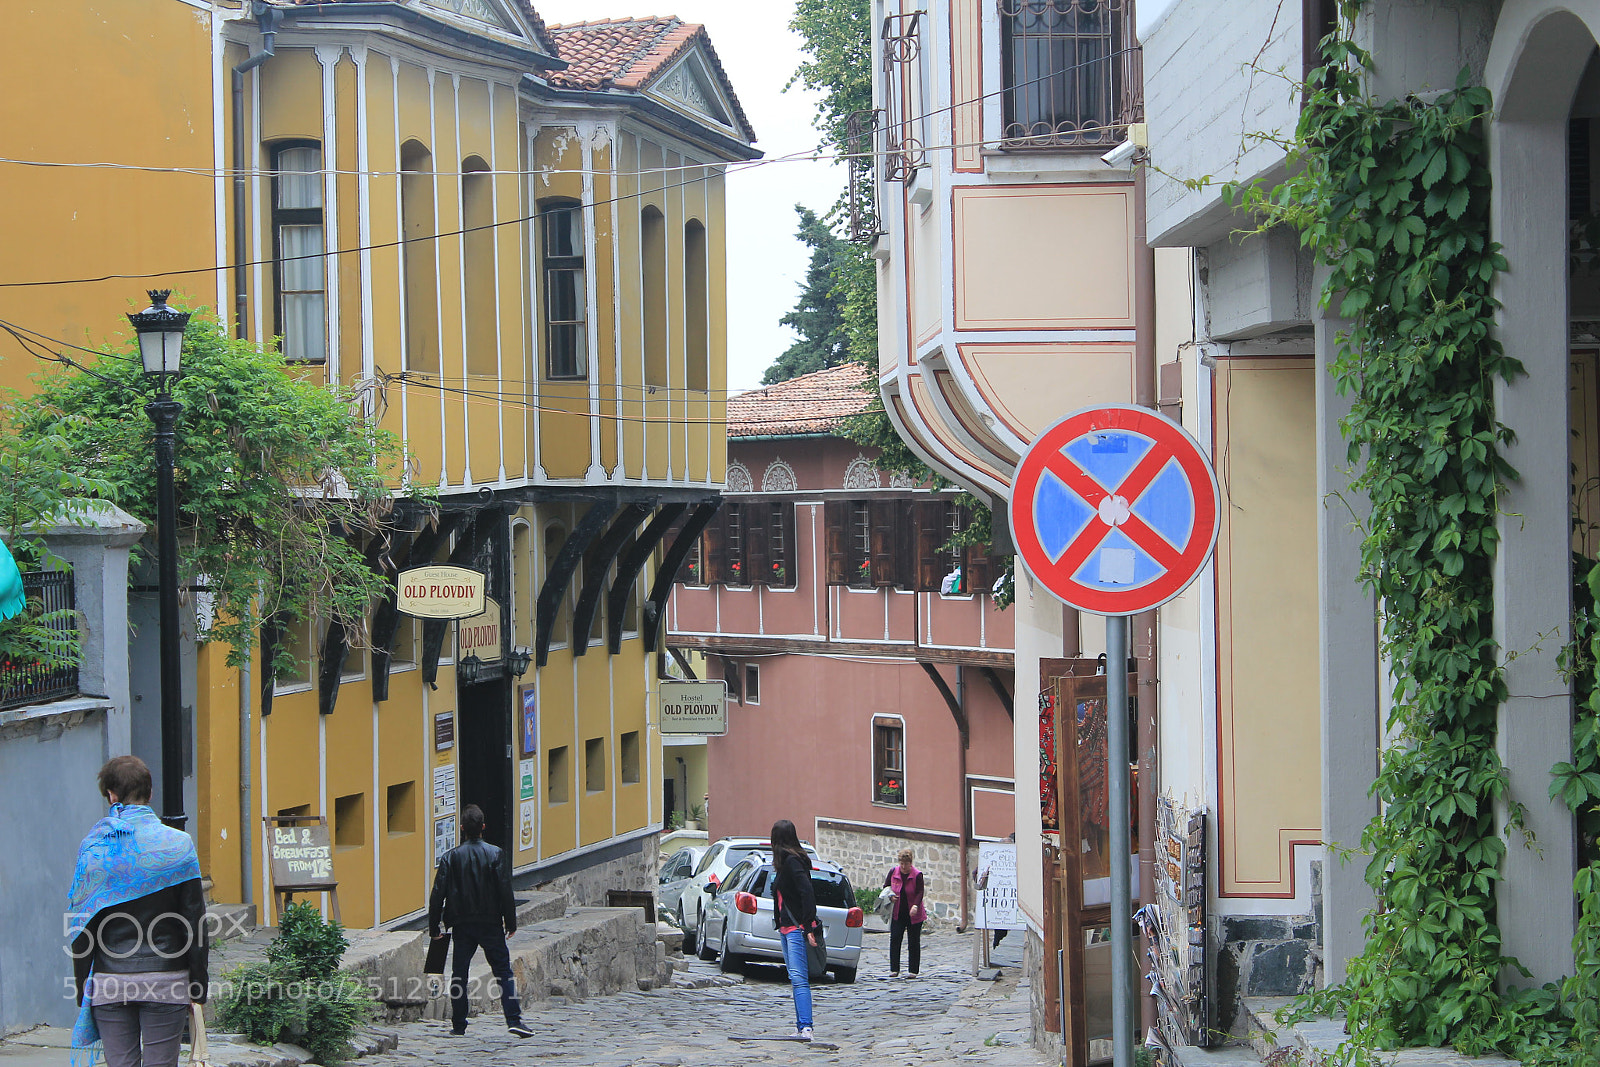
{"x":471,"y":888}
{"x":162,"y":931}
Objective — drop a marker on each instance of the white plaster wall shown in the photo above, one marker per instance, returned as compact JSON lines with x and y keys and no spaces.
{"x":1214,"y":74}
{"x":1038,"y":636}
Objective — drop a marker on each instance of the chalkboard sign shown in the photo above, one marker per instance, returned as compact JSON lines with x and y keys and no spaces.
{"x":302,"y":858}
{"x":300,"y":851}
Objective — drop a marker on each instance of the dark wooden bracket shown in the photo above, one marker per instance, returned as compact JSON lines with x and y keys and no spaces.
{"x":386,"y":619}
{"x":559,"y":575}
{"x":629,"y":566}
{"x":434,"y":630}
{"x":626,"y":522}
{"x":999,"y":688}
{"x":655,"y":609}
{"x":683,"y":661}
{"x":957,"y":712}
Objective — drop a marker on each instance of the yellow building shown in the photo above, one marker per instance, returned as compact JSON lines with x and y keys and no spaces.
{"x":510,"y":238}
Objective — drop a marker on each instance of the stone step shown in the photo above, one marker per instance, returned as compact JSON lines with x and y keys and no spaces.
{"x":1316,"y":1040}
{"x":1218,"y":1056}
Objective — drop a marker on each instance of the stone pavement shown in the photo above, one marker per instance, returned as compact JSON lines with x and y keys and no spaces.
{"x":943,"y":1017}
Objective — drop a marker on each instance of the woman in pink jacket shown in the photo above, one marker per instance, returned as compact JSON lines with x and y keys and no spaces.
{"x":908,"y":914}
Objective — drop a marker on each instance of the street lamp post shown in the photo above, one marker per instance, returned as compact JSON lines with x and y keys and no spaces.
{"x":160,"y":330}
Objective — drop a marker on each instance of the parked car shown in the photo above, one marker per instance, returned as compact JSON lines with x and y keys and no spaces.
{"x":740,"y":920}
{"x":724,"y":854}
{"x":677,"y":873}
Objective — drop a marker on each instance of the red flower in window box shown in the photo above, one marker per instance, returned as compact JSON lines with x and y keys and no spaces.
{"x":778,"y":574}
{"x":737,"y":568}
{"x":865,"y":570}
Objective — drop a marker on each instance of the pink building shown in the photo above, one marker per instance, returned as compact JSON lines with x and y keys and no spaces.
{"x":865,"y":704}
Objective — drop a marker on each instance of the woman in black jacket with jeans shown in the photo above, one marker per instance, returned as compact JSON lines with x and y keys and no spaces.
{"x":795,"y":905}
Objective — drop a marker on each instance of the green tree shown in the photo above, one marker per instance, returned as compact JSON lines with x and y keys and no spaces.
{"x":819,"y":316}
{"x":279,"y":479}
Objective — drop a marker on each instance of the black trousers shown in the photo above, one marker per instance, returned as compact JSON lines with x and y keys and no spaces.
{"x":897,"y":930}
{"x":469,"y":937}
{"x":141,"y":1035}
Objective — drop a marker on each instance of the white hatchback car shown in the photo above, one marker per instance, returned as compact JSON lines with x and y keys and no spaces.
{"x":724,"y":854}
{"x":740,"y":923}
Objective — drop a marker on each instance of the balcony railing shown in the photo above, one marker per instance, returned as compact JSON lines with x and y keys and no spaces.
{"x":51,"y":600}
{"x":1072,"y":70}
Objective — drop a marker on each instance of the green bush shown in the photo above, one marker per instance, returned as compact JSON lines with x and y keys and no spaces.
{"x":298,"y":993}
{"x":867,"y":899}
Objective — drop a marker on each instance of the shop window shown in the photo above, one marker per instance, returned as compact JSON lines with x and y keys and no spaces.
{"x":421,"y":258}
{"x":566,"y":290}
{"x":350,"y":821}
{"x":697,"y":316}
{"x":299,"y":269}
{"x":400,"y":810}
{"x":888,"y":760}
{"x":628,"y":757}
{"x":482,"y":313}
{"x":558,"y":777}
{"x":594,"y":765}
{"x":752,"y":684}
{"x":653,"y":251}
{"x":297,"y":812}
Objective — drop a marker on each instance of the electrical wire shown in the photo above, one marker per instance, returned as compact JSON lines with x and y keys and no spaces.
{"x":731,"y":166}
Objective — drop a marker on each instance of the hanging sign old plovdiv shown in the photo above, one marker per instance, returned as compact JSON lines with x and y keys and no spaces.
{"x":439,"y":592}
{"x":694,"y":708}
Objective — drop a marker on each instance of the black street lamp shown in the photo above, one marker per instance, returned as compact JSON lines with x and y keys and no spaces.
{"x":521,"y":657}
{"x":468,"y":669}
{"x":160,"y":331}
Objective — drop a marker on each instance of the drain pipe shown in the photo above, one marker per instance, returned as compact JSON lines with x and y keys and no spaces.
{"x":1144,"y":623}
{"x":247,"y":861}
{"x":267,"y":18}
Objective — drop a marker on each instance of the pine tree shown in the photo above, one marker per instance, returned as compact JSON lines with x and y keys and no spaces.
{"x":818,"y":317}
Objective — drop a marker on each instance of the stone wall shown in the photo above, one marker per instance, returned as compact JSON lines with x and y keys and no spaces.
{"x":1046,"y":1034}
{"x":1266,"y":956}
{"x":866,"y":857}
{"x":585,"y":886}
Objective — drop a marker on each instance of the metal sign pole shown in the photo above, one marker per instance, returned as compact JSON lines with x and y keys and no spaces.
{"x":1123,"y":992}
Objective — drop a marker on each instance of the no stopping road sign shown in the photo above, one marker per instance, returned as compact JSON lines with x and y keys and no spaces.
{"x":1114,"y":509}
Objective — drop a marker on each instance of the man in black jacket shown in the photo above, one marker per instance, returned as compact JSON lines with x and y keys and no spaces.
{"x":473,"y":897}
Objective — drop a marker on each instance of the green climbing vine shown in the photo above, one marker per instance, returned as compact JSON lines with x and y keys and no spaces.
{"x":1393,"y":196}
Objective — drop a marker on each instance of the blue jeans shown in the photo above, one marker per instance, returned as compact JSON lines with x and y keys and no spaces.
{"x":799,"y":965}
{"x":469,"y":937}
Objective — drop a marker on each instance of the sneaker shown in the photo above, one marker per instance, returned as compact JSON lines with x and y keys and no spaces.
{"x":520,"y":1031}
{"x":458,"y":1033}
{"x":911,"y":974}
{"x":894,"y":974}
{"x":803,"y":1034}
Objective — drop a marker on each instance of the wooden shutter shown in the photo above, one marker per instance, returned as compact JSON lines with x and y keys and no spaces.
{"x":784,"y":519}
{"x":881,"y":540}
{"x":978,"y":573}
{"x":930,"y":517}
{"x":714,"y":548}
{"x":836,"y":527}
{"x":757,"y":558}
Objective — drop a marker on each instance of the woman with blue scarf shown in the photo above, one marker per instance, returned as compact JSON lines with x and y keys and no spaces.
{"x":137,"y":929}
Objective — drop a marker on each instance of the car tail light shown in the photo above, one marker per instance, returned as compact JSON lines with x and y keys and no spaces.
{"x":854,"y":918}
{"x":745,"y":902}
{"x":715,"y":880}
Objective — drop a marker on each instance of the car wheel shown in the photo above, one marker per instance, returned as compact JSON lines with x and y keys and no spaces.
{"x":846,"y":975}
{"x":690,"y":936}
{"x":706,"y":952}
{"x":729,"y":963}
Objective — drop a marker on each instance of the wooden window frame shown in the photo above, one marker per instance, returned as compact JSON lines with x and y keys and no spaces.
{"x":575,"y":368}
{"x":888,"y":742}
{"x":281,"y":218}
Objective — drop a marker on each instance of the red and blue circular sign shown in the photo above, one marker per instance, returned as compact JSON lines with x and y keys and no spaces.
{"x":1114,"y":509}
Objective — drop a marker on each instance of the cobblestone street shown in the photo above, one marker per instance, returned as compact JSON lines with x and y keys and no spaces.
{"x":942,"y":1017}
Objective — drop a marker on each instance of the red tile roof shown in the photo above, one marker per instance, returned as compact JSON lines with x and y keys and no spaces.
{"x":815,"y":403}
{"x":540,"y":32}
{"x":628,"y":53}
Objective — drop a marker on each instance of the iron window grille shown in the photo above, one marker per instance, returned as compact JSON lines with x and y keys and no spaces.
{"x":566,"y":292}
{"x":49,"y":593}
{"x":1072,"y":73}
{"x":904,"y":141}
{"x":861,"y":138}
{"x":299,"y":269}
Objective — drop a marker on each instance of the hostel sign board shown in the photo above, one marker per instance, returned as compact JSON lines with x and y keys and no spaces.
{"x":302,"y":857}
{"x":694,"y":708}
{"x":480,"y":635}
{"x":438,"y":592}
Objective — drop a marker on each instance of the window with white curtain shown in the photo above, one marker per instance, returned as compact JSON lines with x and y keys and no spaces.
{"x":300,"y":267}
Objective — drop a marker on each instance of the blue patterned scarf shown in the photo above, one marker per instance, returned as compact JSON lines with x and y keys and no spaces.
{"x":127,"y":855}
